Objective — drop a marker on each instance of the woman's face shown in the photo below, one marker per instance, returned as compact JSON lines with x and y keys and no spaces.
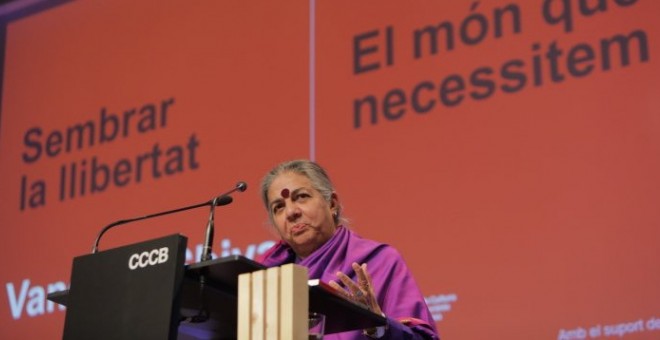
{"x":301,"y":215}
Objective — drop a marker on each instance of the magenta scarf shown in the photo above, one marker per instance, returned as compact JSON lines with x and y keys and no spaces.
{"x":397,"y":292}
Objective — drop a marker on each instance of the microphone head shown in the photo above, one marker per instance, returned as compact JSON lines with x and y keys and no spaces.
{"x":222,"y":200}
{"x":241,"y":186}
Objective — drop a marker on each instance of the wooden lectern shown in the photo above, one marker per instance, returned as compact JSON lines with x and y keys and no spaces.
{"x":273,"y":304}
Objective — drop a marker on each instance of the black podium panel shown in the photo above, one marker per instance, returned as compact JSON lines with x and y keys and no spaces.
{"x":131,"y":292}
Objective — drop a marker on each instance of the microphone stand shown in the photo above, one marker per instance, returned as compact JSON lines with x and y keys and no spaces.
{"x":208,"y":239}
{"x":203,"y":313}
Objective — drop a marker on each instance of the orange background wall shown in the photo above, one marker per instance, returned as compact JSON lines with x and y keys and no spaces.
{"x":525,"y":214}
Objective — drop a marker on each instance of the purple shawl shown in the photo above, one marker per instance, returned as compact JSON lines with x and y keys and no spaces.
{"x":396,"y":289}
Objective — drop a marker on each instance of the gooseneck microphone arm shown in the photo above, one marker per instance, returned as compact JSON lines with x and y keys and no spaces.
{"x":220,"y":200}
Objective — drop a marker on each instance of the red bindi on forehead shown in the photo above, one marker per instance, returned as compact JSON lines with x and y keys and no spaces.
{"x":285,"y":193}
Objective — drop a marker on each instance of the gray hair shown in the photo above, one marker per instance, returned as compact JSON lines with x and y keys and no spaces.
{"x":314,"y":172}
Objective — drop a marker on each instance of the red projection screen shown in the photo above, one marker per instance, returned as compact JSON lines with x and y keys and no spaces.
{"x":510,"y":150}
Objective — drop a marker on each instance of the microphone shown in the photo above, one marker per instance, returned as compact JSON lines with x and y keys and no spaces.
{"x":210,"y":226}
{"x":217,"y":201}
{"x":241,"y":186}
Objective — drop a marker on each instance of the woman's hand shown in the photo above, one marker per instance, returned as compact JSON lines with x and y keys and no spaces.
{"x":361,"y":291}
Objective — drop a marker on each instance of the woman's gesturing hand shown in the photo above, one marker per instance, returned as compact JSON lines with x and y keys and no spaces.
{"x":361,"y":290}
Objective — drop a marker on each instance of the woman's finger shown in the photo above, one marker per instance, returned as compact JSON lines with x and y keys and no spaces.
{"x":349,"y":284}
{"x":372,"y":301}
{"x":339,"y":289}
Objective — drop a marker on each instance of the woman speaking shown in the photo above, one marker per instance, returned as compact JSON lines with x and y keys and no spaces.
{"x":305,"y":211}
